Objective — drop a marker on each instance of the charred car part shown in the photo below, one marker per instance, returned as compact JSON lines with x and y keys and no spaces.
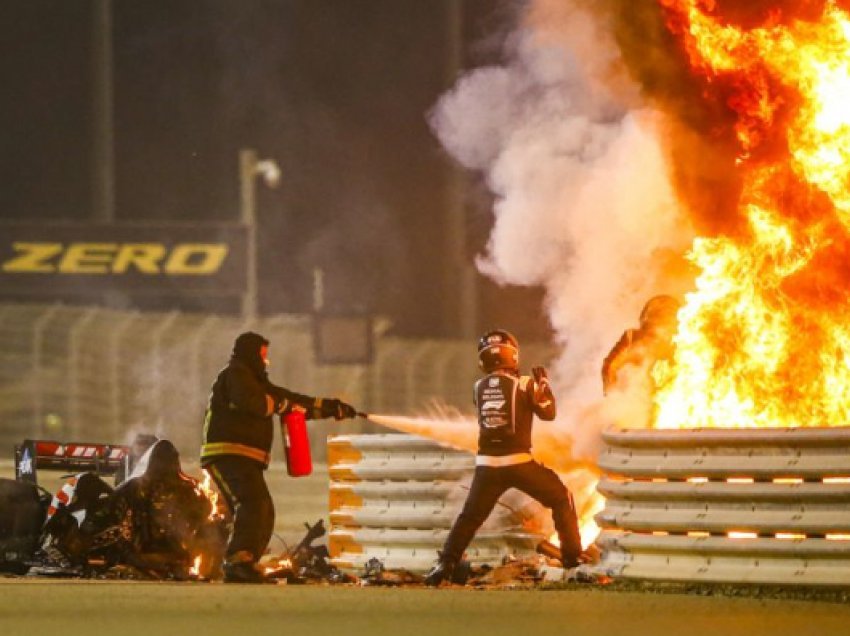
{"x":158,"y":524}
{"x":306,"y":562}
{"x":23,"y":507}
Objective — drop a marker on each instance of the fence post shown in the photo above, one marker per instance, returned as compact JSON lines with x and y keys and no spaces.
{"x":196,"y":348}
{"x":74,"y":376}
{"x":115,"y":410}
{"x":37,"y":358}
{"x":156,"y":354}
{"x":411,"y":405}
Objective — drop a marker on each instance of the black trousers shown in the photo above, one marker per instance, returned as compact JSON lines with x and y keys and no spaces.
{"x":240,"y":480}
{"x":537,"y":481}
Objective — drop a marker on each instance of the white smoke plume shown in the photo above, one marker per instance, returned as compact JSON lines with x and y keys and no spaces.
{"x":583,"y":203}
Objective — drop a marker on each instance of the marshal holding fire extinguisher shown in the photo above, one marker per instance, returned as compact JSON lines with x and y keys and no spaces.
{"x":238,"y":434}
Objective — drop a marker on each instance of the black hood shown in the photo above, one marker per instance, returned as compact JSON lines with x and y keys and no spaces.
{"x":164,"y":461}
{"x":246,"y":350}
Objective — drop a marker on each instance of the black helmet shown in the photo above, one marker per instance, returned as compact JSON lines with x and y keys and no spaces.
{"x":659,"y":310}
{"x":498,"y":349}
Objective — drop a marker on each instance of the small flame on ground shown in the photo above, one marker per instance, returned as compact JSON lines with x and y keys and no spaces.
{"x":195,"y":570}
{"x":205,"y":488}
{"x":838,"y":537}
{"x":588,"y":529}
{"x":279,"y":566}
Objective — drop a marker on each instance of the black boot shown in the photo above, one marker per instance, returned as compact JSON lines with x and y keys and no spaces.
{"x":442,"y":571}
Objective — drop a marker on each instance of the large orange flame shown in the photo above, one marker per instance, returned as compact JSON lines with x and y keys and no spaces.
{"x":764,"y":339}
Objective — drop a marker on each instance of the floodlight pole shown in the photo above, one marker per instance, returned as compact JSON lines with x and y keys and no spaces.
{"x":461,"y":306}
{"x":103,"y":147}
{"x":250,"y":167}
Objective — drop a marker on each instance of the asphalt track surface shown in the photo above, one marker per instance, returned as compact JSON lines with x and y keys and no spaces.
{"x":30,"y":606}
{"x":35,"y":606}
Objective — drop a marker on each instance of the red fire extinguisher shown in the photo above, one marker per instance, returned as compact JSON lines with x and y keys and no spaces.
{"x":296,"y":444}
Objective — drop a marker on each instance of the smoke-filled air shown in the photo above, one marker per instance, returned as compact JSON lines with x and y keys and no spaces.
{"x":674,"y":175}
{"x":682,"y":147}
{"x":584,"y":206}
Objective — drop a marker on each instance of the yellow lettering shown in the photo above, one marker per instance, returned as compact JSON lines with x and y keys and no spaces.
{"x":145,"y":257}
{"x":87,"y":258}
{"x":196,"y":258}
{"x":34,"y":258}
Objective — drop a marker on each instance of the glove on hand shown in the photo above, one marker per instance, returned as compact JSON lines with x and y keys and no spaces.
{"x":540,"y":375}
{"x":339,"y":410}
{"x":346,"y":411}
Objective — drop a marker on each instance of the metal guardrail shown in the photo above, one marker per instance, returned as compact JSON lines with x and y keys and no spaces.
{"x":757,"y":506}
{"x":394,"y":498}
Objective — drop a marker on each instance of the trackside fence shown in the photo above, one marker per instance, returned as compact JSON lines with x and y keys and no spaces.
{"x":76,"y":373}
{"x":394,"y":498}
{"x":763,"y":506}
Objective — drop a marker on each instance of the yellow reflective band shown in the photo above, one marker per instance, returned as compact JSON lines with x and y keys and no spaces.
{"x":318,"y":403}
{"x":228,"y":448}
{"x":219,"y":480}
{"x":269,"y":405}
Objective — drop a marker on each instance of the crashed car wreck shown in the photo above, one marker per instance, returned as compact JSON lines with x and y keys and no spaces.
{"x":159,"y":523}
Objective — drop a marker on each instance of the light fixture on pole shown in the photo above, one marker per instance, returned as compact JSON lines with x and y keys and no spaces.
{"x":250,"y":167}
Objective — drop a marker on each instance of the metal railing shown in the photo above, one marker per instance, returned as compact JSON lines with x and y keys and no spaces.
{"x":763,"y":506}
{"x":394,"y":498}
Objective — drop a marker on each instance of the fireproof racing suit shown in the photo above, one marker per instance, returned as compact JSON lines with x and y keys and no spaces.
{"x":506,"y":405}
{"x":238,"y":433}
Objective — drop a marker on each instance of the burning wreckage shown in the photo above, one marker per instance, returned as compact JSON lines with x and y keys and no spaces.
{"x":156,"y":523}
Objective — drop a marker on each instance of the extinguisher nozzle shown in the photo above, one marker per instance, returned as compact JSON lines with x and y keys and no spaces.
{"x":365,"y":416}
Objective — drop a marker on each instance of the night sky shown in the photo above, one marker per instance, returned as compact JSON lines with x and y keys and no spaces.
{"x":336,"y":91}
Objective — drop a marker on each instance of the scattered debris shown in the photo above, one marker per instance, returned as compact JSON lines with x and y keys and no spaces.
{"x":161,"y":524}
{"x":306,"y":562}
{"x":374,"y":573}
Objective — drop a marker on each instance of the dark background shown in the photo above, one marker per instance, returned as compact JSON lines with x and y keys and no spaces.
{"x":336,"y":91}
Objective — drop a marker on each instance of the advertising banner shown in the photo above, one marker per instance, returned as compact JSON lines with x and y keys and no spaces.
{"x":71,"y":258}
